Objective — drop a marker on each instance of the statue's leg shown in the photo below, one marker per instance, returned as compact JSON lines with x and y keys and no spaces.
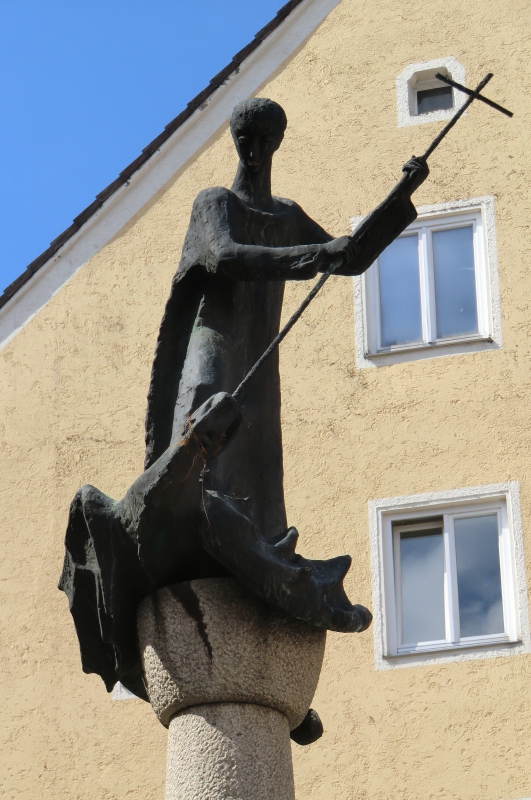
{"x":162,"y":509}
{"x":175,"y":475}
{"x":311,"y":591}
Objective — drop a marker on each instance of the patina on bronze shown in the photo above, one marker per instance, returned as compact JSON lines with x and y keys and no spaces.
{"x":210,"y":502}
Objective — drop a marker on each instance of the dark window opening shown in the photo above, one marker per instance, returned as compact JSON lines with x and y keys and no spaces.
{"x":434,"y":99}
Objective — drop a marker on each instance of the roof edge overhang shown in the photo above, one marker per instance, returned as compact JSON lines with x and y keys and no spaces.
{"x":159,"y":161}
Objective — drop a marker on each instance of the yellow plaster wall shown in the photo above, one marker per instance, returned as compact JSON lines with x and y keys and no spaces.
{"x":72,"y":401}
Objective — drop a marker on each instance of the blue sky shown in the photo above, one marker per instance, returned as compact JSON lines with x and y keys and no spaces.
{"x":84,"y":86}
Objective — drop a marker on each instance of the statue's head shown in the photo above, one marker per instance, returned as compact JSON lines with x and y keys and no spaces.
{"x":257,"y":126}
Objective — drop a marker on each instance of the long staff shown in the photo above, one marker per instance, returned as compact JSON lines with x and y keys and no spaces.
{"x":473,"y":94}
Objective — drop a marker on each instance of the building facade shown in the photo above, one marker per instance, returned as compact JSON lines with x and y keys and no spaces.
{"x":405,"y":411}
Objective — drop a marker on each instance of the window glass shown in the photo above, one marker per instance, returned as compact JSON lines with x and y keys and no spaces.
{"x":434,"y":99}
{"x":400,"y":292}
{"x":422,"y":589}
{"x":455,"y":282}
{"x":478,"y":575}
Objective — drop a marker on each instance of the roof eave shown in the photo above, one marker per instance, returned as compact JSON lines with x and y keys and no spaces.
{"x":148,"y":151}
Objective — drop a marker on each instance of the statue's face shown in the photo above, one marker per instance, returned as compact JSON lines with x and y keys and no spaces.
{"x":256,"y":146}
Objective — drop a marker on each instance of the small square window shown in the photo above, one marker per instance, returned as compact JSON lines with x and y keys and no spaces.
{"x":433,"y":287}
{"x":421,"y":97}
{"x":447,"y":572}
{"x":427,"y":94}
{"x":429,"y":100}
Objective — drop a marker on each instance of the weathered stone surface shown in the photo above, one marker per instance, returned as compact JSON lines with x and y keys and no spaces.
{"x":212,"y":641}
{"x":229,"y":750}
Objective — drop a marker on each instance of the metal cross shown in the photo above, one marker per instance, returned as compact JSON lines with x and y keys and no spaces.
{"x":474,"y":94}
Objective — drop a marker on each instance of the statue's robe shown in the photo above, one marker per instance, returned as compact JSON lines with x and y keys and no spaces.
{"x":224,"y":516}
{"x":223,"y":312}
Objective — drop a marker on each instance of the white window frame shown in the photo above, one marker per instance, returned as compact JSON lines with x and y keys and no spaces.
{"x":477,"y":212}
{"x":423,"y":228}
{"x":419,"y":76}
{"x":451,"y":604}
{"x":503,"y":499}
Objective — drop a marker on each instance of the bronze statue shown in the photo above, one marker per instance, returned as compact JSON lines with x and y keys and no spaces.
{"x":211,"y":500}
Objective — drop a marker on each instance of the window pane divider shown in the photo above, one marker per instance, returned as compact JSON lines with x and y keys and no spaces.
{"x":453,"y":631}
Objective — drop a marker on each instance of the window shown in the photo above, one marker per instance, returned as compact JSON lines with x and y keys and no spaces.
{"x":429,"y":285}
{"x":421,"y":97}
{"x":429,"y":100}
{"x":447,"y":577}
{"x":428,"y":94}
{"x":434,"y":286}
{"x":448,"y":580}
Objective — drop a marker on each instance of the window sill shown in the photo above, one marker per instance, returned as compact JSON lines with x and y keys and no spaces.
{"x":454,"y":340}
{"x":464,"y":644}
{"x":421,"y":350}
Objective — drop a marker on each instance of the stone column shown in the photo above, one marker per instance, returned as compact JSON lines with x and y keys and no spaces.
{"x":230,"y":677}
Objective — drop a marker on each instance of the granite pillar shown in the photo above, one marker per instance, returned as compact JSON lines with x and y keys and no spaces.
{"x":230,"y":677}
